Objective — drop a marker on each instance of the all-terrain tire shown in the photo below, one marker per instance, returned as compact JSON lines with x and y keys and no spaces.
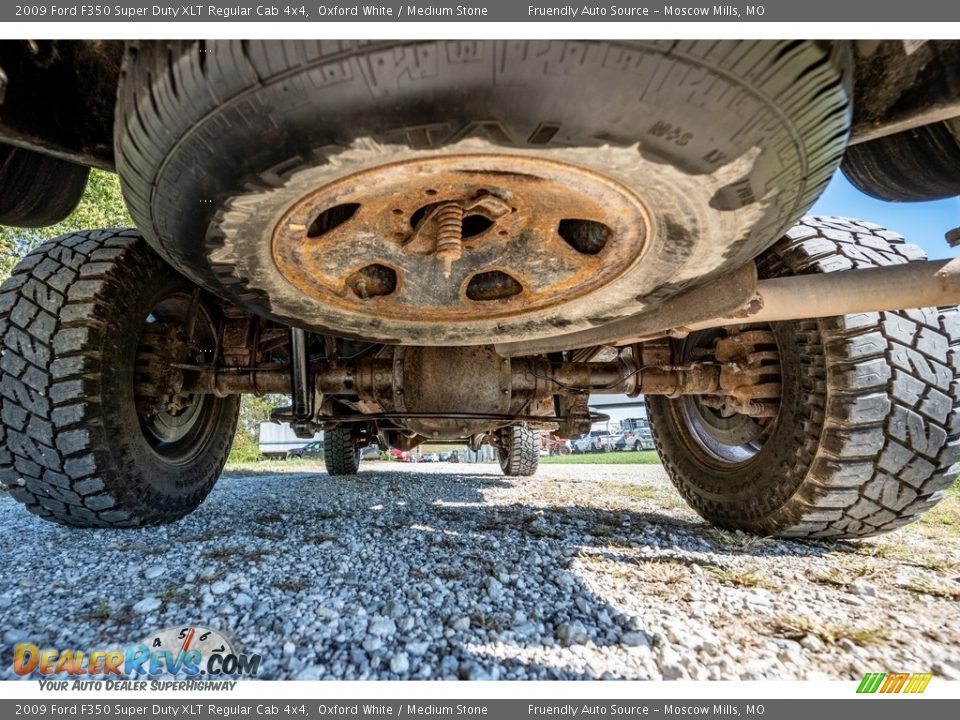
{"x":726,"y":142}
{"x":519,"y":451}
{"x":867,"y":435}
{"x":72,"y":448}
{"x":340,"y":452}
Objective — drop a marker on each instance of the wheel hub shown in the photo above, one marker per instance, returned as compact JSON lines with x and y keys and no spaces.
{"x":171,"y":418}
{"x":733,"y":426}
{"x":447,"y":239}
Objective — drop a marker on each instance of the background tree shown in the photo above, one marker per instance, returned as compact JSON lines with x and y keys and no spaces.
{"x":102,"y":206}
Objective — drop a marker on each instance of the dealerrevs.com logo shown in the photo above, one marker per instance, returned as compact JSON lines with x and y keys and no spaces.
{"x":186,"y":651}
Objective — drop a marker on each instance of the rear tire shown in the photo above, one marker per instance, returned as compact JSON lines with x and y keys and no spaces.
{"x":866,"y":437}
{"x":519,"y":451}
{"x":74,"y":445}
{"x":37,"y":190}
{"x":340,"y":452}
{"x":910,"y":166}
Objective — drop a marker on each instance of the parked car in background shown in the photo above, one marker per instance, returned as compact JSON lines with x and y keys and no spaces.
{"x":370,"y":452}
{"x":312,"y":450}
{"x":399,"y":455}
{"x":429,"y":457}
{"x":276,"y":440}
{"x":637,"y":434}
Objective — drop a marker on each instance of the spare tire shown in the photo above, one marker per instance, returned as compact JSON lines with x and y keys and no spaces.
{"x":718,"y":146}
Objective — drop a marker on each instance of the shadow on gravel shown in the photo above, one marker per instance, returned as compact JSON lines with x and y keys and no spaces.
{"x":488,"y":587}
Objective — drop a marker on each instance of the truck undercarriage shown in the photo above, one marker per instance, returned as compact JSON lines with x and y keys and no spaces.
{"x":446,"y":258}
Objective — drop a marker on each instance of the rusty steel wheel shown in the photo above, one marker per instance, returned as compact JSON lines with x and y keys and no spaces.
{"x":444,"y":239}
{"x":465,"y":193}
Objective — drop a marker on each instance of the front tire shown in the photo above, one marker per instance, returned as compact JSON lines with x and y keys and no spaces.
{"x":79,"y":319}
{"x":866,"y":436}
{"x":519,"y":451}
{"x":341,"y":453}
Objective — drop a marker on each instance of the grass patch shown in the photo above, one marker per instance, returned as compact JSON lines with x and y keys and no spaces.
{"x":269,"y":518}
{"x":644,"y":457}
{"x":101,"y":613}
{"x":208,"y":535}
{"x":933,"y":588}
{"x":208,"y":579}
{"x":602,"y":530}
{"x":749,"y":577}
{"x":735,"y":539}
{"x":632,"y":491}
{"x":667,"y":572}
{"x":236,"y":554}
{"x":946,"y":512}
{"x":320,"y":538}
{"x":797,"y":628}
{"x":877,"y":550}
{"x":537,"y":527}
{"x":288,"y":585}
{"x":175,"y":595}
{"x":849,"y":572}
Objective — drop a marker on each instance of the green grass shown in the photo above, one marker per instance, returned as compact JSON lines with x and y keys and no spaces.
{"x":644,"y":457}
{"x":798,"y":627}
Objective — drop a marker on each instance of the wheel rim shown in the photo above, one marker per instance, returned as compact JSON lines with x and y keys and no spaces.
{"x":442,"y":239}
{"x":723,"y":438}
{"x":175,"y":426}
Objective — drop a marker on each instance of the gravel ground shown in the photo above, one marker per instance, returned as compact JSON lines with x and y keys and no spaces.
{"x":582,"y":572}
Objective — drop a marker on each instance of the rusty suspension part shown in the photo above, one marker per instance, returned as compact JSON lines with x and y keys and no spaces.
{"x":528,"y":378}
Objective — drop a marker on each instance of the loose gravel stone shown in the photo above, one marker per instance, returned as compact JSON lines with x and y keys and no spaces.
{"x":635,"y":639}
{"x":384,"y":626}
{"x":572,"y":634}
{"x":581,"y":572}
{"x":147,"y":605}
{"x":400,"y":663}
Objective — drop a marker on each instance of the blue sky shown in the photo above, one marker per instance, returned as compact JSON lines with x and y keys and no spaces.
{"x":922,"y":223}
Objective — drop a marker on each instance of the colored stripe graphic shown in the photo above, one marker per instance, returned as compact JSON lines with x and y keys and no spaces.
{"x":918,"y":682}
{"x":894,"y":683}
{"x":871,"y":682}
